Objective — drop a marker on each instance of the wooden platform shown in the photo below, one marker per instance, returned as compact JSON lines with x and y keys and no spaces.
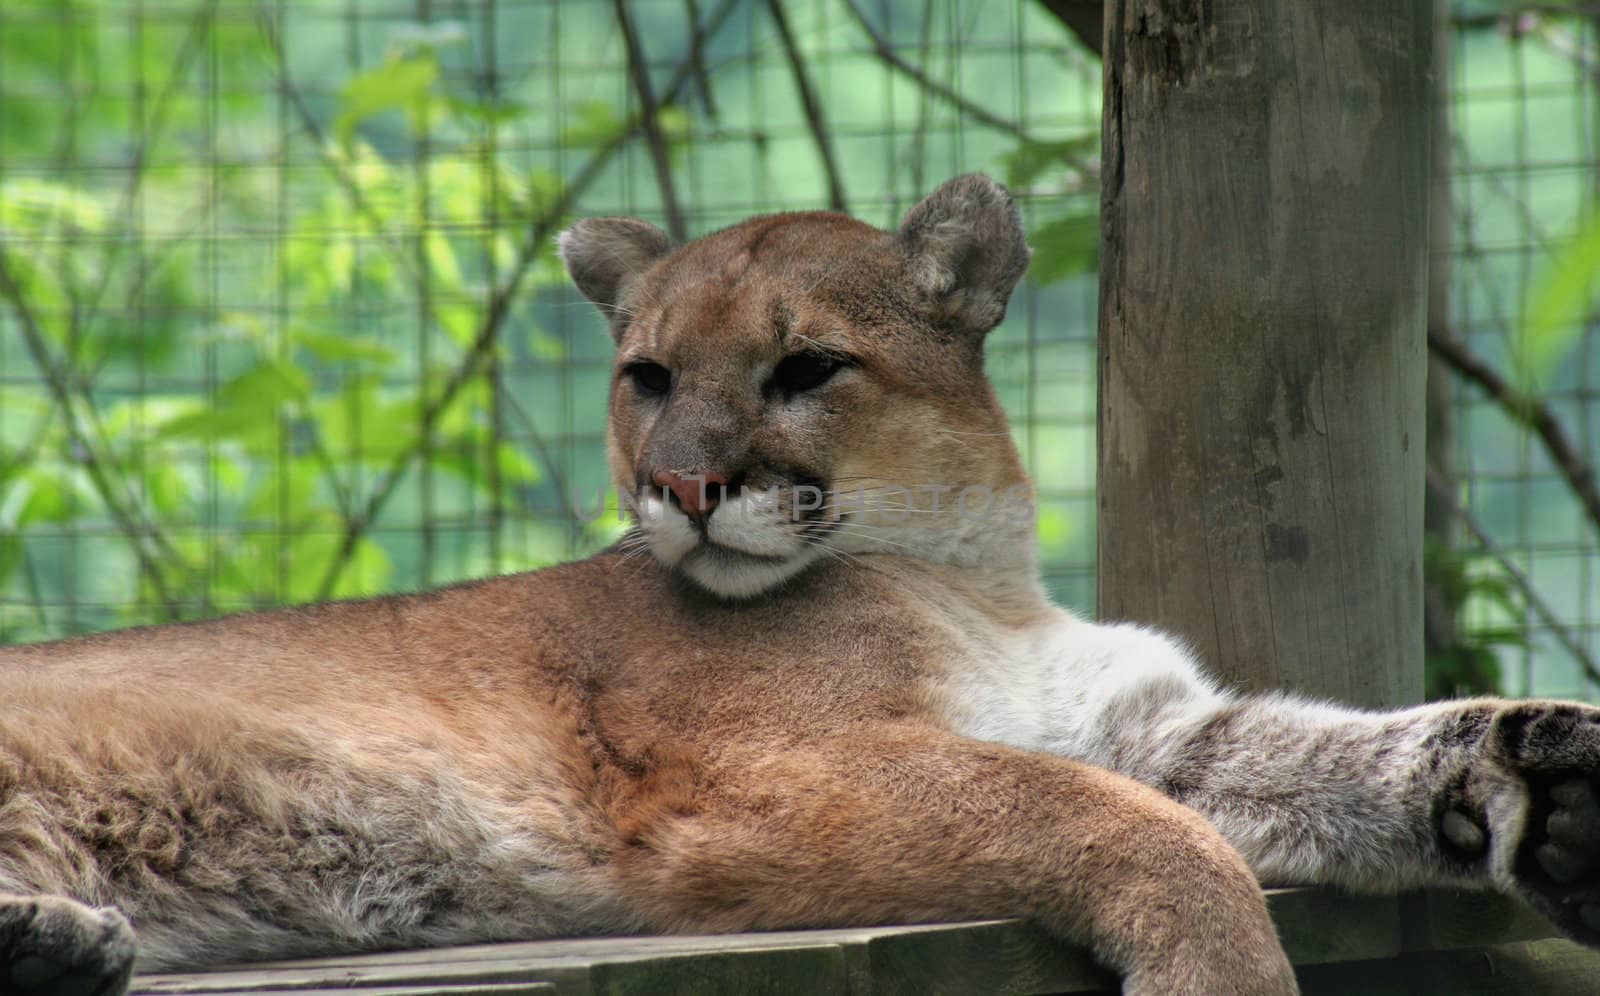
{"x":1435,"y":942}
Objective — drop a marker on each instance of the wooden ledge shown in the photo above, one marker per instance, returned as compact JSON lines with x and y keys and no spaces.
{"x":1431,"y":942}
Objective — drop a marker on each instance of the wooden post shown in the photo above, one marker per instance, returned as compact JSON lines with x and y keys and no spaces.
{"x":1263,"y":297}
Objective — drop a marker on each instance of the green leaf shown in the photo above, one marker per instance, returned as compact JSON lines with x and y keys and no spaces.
{"x":265,"y":386}
{"x":546,"y":347}
{"x":1031,"y":160}
{"x":41,"y":495}
{"x":458,"y":318}
{"x":311,"y":553}
{"x":675,"y":124}
{"x":490,"y":112}
{"x":344,"y":349}
{"x":593,"y":122}
{"x":399,"y":84}
{"x":465,"y":457}
{"x":1557,"y":310}
{"x":442,"y":264}
{"x":245,"y":406}
{"x":1053,"y":527}
{"x":1065,"y":247}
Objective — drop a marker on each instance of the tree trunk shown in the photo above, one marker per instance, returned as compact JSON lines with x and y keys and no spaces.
{"x":1263,"y":297}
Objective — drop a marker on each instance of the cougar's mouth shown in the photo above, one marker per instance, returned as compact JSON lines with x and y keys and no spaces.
{"x":748,"y":544}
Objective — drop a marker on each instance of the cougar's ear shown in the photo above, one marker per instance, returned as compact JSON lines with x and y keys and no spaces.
{"x":605,"y":255}
{"x":967,"y":251}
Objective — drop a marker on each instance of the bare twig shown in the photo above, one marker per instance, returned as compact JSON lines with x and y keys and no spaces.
{"x":1530,"y":596}
{"x":660,"y":157}
{"x":979,"y":113}
{"x":557,"y":481}
{"x":482,"y":343}
{"x":204,"y":12}
{"x":809,"y":102}
{"x":129,"y":522}
{"x":1528,"y":411}
{"x":919,"y":135}
{"x":697,"y":62}
{"x":539,"y":233}
{"x":886,"y":52}
{"x":335,"y":168}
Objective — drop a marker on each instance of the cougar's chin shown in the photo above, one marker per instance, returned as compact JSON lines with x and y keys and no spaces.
{"x":729,"y":574}
{"x":740,"y":552}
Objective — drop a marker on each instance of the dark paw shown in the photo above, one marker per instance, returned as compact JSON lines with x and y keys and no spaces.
{"x":1555,"y":748}
{"x":1558,"y":861}
{"x":50,"y":946}
{"x":1549,"y":738}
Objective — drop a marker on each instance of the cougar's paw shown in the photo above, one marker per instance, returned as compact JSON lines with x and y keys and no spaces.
{"x":1555,"y":749}
{"x":53,"y":946}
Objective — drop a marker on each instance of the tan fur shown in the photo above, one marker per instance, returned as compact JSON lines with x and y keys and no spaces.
{"x":603,"y":746}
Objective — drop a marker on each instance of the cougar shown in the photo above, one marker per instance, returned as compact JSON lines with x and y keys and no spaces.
{"x":819,"y":683}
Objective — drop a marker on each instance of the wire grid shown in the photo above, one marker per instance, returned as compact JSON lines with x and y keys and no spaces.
{"x":1525,"y":168}
{"x":247,"y":303}
{"x":235,"y":302}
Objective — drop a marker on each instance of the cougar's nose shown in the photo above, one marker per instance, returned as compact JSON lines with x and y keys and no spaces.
{"x":697,"y":494}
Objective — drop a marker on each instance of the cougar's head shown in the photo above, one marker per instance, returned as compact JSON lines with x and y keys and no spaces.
{"x":805,"y":386}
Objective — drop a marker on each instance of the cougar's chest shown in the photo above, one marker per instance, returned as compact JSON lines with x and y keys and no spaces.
{"x":837,"y":649}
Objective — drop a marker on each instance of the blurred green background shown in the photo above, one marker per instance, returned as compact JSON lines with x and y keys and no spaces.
{"x":280,"y":317}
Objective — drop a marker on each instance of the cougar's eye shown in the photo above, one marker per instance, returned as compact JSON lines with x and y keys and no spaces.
{"x":649,"y":378}
{"x":804,"y":371}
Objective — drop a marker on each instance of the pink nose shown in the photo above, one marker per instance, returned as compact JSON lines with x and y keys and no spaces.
{"x":697,"y":494}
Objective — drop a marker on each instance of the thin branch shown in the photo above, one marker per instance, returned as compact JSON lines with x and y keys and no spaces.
{"x":660,"y":157}
{"x":156,"y":252}
{"x":129,"y":522}
{"x":341,"y":175}
{"x":886,"y":52}
{"x":557,"y":480}
{"x":204,"y":12}
{"x":482,"y":343}
{"x":697,"y":62}
{"x":918,"y":146}
{"x":539,"y":233}
{"x":1530,"y":595}
{"x":809,"y":102}
{"x":1528,"y":411}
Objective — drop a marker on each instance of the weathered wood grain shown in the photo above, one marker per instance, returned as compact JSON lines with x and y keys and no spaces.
{"x":1262,"y":336}
{"x":1331,"y":935}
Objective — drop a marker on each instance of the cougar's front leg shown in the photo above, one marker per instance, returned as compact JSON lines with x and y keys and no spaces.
{"x":1485,"y":790}
{"x":909,"y":825}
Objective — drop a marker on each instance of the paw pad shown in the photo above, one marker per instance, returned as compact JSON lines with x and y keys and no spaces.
{"x":1464,"y":832}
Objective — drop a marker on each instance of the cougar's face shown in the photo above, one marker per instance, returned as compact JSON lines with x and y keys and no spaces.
{"x":783,"y":395}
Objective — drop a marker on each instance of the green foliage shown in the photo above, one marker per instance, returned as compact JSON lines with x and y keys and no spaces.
{"x":317,"y":426}
{"x":1031,"y":161}
{"x":1558,"y":308}
{"x":1471,"y":582}
{"x":1064,"y":247}
{"x":1069,"y":244}
{"x":405,"y":84}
